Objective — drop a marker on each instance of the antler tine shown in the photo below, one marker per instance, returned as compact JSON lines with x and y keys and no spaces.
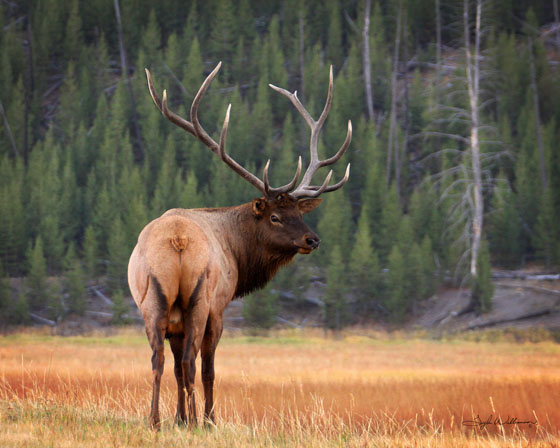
{"x":196,"y":129}
{"x":342,"y":149}
{"x":223,"y":135}
{"x":296,"y":102}
{"x":305,"y":189}
{"x":338,"y":184}
{"x":270,"y":191}
{"x":171,"y":116}
{"x":199,"y":131}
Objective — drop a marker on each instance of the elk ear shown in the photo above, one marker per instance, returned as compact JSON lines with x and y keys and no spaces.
{"x":308,"y":205}
{"x":258,"y":207}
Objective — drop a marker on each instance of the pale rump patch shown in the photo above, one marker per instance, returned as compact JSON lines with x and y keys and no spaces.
{"x":179,"y":242}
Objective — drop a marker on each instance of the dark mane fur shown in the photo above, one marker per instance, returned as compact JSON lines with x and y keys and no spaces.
{"x":257,"y":265}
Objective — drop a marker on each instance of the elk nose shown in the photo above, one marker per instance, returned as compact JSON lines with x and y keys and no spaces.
{"x":312,"y":241}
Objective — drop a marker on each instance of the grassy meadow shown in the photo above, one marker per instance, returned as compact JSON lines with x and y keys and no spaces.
{"x":292,"y":389}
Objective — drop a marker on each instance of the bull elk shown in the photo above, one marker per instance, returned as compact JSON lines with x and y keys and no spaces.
{"x":189,"y":264}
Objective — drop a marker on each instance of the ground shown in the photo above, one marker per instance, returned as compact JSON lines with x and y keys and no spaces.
{"x":296,"y":388}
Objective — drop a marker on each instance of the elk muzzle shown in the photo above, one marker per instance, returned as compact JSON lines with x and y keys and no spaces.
{"x":308,"y":243}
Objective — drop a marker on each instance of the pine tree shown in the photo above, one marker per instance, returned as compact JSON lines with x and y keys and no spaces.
{"x":119,"y":309}
{"x":12,"y":223}
{"x":54,"y":301}
{"x":74,"y":282}
{"x":546,"y":240}
{"x":260,"y":310}
{"x":504,"y":230}
{"x":334,"y":45}
{"x":334,"y":225}
{"x":364,"y":267}
{"x":396,"y":301}
{"x":390,"y":218}
{"x":73,"y":37}
{"x":91,"y":253}
{"x":118,"y":254}
{"x":335,"y":306}
{"x":428,"y":269}
{"x":21,"y":309}
{"x":6,"y":304}
{"x":151,"y":40}
{"x":222,"y":35}
{"x":37,"y":274}
{"x":483,"y":289}
{"x":194,"y":69}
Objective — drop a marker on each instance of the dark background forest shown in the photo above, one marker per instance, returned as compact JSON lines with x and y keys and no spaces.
{"x":86,"y":160}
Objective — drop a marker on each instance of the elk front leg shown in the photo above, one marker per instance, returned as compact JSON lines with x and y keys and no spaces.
{"x":177,"y":343}
{"x":210,"y":341}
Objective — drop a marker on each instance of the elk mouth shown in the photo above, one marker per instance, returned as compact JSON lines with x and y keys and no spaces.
{"x":304,"y":250}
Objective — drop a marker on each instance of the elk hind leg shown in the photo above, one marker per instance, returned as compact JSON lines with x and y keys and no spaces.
{"x":177,"y":343}
{"x":210,"y":341}
{"x":155,"y":318}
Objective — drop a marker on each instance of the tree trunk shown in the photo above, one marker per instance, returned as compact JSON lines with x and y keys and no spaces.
{"x":557,"y":21}
{"x":124,"y":68}
{"x":366,"y":62}
{"x":8,"y":130}
{"x":302,"y":69}
{"x":537,"y":114}
{"x":393,"y":139}
{"x":406,"y":92}
{"x":473,"y":79}
{"x":438,"y":72}
{"x":30,"y":87}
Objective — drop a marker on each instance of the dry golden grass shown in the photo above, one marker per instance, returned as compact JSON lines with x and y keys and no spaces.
{"x":292,"y":390}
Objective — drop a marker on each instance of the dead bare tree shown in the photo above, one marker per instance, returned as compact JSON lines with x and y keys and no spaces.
{"x":367,"y":62}
{"x":473,"y":85}
{"x":393,"y":141}
{"x":124,"y":68}
{"x":8,"y":130}
{"x":537,"y":112}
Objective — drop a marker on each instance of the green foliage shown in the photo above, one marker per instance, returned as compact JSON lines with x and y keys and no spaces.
{"x":119,"y":309}
{"x":54,"y":301}
{"x":504,"y":233}
{"x":77,"y":189}
{"x":74,"y":282}
{"x":21,"y":309}
{"x":364,"y":270}
{"x":6,"y":302}
{"x":260,"y":310}
{"x":334,"y":226}
{"x":483,"y":288}
{"x":37,"y":274}
{"x":396,"y":300}
{"x":118,"y":255}
{"x":335,"y":305}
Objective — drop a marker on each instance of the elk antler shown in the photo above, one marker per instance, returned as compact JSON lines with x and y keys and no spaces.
{"x":304,"y":189}
{"x":194,"y":127}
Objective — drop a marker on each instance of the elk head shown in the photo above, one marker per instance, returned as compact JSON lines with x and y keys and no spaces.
{"x":279,"y":212}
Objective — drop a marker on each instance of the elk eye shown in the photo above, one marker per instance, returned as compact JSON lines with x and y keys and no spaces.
{"x":274,"y":218}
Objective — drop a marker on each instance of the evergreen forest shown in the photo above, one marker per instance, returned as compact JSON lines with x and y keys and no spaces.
{"x":455,"y":166}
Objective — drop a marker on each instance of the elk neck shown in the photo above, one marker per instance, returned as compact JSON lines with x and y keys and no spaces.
{"x":257,"y":262}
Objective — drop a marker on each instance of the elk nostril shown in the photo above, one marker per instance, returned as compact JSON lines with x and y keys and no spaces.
{"x":312,"y":242}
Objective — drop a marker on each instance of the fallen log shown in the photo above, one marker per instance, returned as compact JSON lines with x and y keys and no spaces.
{"x":491,"y":323}
{"x":42,"y":320}
{"x":529,"y":287}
